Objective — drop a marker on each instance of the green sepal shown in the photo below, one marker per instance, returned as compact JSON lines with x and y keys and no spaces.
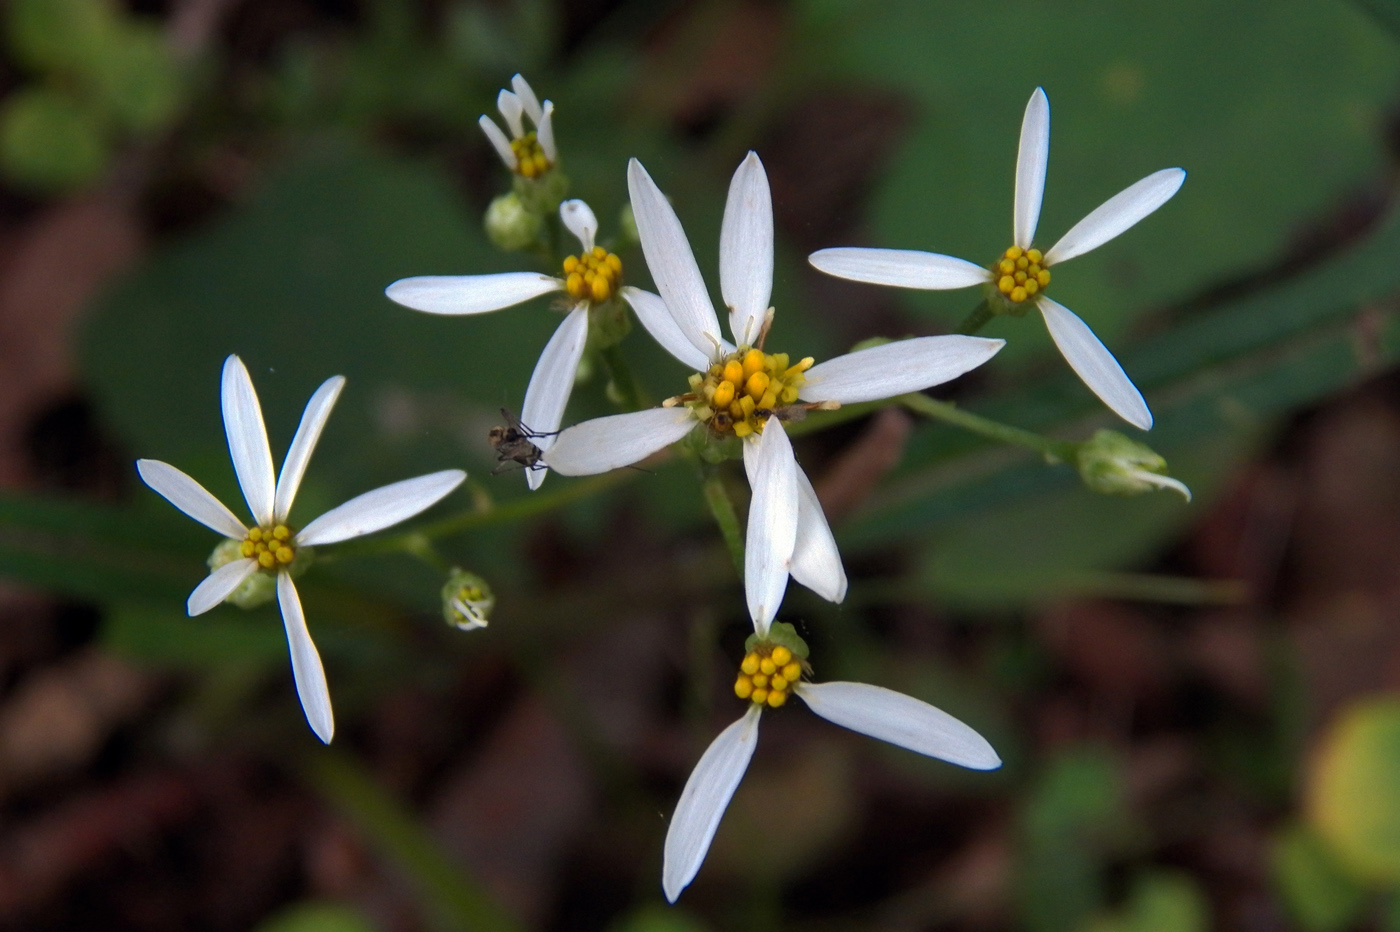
{"x":544,"y":194}
{"x":780,"y":634}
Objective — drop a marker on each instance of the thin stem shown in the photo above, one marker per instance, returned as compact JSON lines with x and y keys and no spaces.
{"x":986,"y":427}
{"x":622,"y":380}
{"x":717,"y":497}
{"x":981,"y":315}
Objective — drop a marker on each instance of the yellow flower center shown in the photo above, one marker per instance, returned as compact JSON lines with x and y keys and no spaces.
{"x":270,"y":546}
{"x":592,"y":276}
{"x":767,"y":675}
{"x":530,"y":160}
{"x":741,"y":392}
{"x":1020,"y":274}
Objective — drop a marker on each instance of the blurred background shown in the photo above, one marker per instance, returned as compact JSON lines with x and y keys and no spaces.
{"x":1197,"y":703}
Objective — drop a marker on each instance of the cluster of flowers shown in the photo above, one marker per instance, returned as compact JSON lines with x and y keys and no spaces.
{"x":740,"y":390}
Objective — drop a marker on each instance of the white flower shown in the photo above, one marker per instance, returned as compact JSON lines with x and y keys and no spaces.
{"x":529,"y":153}
{"x":770,"y":671}
{"x":1021,"y":273}
{"x":742,"y":390}
{"x":590,"y":277}
{"x":270,"y":545}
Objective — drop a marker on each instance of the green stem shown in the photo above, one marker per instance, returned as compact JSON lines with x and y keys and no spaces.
{"x":994,"y":430}
{"x":722,"y":507}
{"x":622,"y":380}
{"x":979,"y":318}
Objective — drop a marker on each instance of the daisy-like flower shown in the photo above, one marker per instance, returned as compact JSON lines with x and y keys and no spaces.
{"x":741,"y":390}
{"x":1022,"y":273}
{"x":528,"y":153}
{"x":272,"y":544}
{"x":589,"y":278}
{"x":772,"y":670}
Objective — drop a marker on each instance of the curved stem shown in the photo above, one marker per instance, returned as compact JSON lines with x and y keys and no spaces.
{"x":1053,"y":450}
{"x":722,"y":507}
{"x":621,"y":377}
{"x":980,"y":316}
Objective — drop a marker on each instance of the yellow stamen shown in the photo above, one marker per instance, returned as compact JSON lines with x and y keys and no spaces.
{"x":1020,"y":274}
{"x":592,"y":276}
{"x":767,"y":675}
{"x":270,"y":546}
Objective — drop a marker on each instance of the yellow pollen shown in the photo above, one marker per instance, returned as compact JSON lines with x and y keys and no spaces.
{"x":776,"y":698}
{"x":781,"y":655}
{"x":740,"y":392}
{"x":531,"y":162}
{"x":767,"y":675}
{"x":270,"y":546}
{"x":1020,"y":273}
{"x":724,"y":394}
{"x":753,"y":361}
{"x":592,"y":276}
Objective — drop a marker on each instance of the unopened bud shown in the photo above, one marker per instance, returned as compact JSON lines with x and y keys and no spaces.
{"x":258,"y":589}
{"x":510,"y":226}
{"x":1112,"y":464}
{"x":467,"y":601}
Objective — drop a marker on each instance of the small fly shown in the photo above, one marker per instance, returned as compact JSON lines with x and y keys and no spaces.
{"x":514,"y":443}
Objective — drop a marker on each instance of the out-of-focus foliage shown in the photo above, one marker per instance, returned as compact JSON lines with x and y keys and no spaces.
{"x":1354,"y":797}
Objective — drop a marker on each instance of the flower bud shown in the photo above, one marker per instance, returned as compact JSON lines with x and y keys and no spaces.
{"x":258,"y":589}
{"x":467,"y":601}
{"x":1112,"y":464}
{"x":510,"y":226}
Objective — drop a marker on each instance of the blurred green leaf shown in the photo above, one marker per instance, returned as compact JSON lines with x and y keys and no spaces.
{"x":1160,"y":901}
{"x":1353,"y":795}
{"x":655,"y":918}
{"x":136,"y":79}
{"x":160,"y":634}
{"x":315,"y":916}
{"x":1317,"y":890}
{"x":49,"y":142}
{"x":58,"y":35}
{"x":1386,"y":12}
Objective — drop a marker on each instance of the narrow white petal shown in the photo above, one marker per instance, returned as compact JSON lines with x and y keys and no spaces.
{"x":310,"y":676}
{"x":706,"y":795}
{"x":551,"y":382}
{"x":247,"y":440}
{"x":671,"y":261}
{"x":1030,"y":168}
{"x":218,"y":585}
{"x":383,"y":507}
{"x":190,"y":497}
{"x":746,"y":250}
{"x":900,"y":268}
{"x":651,"y":311}
{"x":470,"y":294}
{"x":544,"y":133}
{"x":895,"y":368}
{"x":1162,"y":482}
{"x":772,"y":527}
{"x":1094,"y":364}
{"x":607,"y":443}
{"x":1117,"y":214}
{"x":581,"y":222}
{"x":313,"y":420}
{"x":816,"y":563}
{"x":528,"y":100}
{"x":511,"y":108}
{"x":900,"y":719}
{"x":499,"y":142}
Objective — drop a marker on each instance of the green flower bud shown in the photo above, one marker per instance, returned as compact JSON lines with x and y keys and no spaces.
{"x":543,"y":195}
{"x":1112,"y":464}
{"x":257,"y":590}
{"x":467,"y":601}
{"x":510,"y":226}
{"x":780,"y":633}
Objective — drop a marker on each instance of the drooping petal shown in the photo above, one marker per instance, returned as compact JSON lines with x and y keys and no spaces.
{"x":657,"y":320}
{"x":550,"y":384}
{"x":499,"y":142}
{"x":1094,"y":364}
{"x":247,"y":440}
{"x":772,"y":526}
{"x":1162,"y":482}
{"x":307,"y":671}
{"x":816,"y":563}
{"x":383,"y":507}
{"x":706,"y":795}
{"x":511,"y":107}
{"x":895,"y":368}
{"x":1117,"y":214}
{"x":746,"y":250}
{"x":219,"y":585}
{"x":899,"y":268}
{"x":528,"y":100}
{"x":190,"y":497}
{"x":671,"y":261}
{"x":607,"y":443}
{"x":313,"y":420}
{"x":899,"y":719}
{"x":1031,"y":160}
{"x":544,"y":133}
{"x":470,"y":294}
{"x":581,"y":222}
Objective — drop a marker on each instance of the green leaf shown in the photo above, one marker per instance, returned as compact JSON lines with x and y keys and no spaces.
{"x":136,"y":79}
{"x":1353,"y":795}
{"x":49,"y":142}
{"x":59,"y":35}
{"x":1160,"y":901}
{"x":160,"y":634}
{"x":1318,"y":891}
{"x":316,"y":916}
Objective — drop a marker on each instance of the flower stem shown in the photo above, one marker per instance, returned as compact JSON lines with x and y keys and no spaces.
{"x":979,"y":318}
{"x":1053,"y":450}
{"x":626,"y":386}
{"x":717,"y":497}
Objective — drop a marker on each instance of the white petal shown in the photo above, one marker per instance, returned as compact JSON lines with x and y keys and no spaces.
{"x":608,"y":443}
{"x":1030,"y":168}
{"x":190,"y":497}
{"x":651,"y":311}
{"x":772,"y":527}
{"x":900,"y":719}
{"x":470,"y":294}
{"x":581,"y":222}
{"x":528,"y":100}
{"x":671,"y":262}
{"x":219,"y":585}
{"x":901,"y":268}
{"x":746,"y":250}
{"x":1094,"y":364}
{"x":511,"y":108}
{"x":1117,"y":214}
{"x":816,"y":563}
{"x":544,"y":133}
{"x":706,"y":795}
{"x":551,"y":382}
{"x":895,"y":368}
{"x":1162,"y":482}
{"x":247,"y":440}
{"x":380,"y":508}
{"x":313,"y":420}
{"x":499,"y":142}
{"x":310,"y":676}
